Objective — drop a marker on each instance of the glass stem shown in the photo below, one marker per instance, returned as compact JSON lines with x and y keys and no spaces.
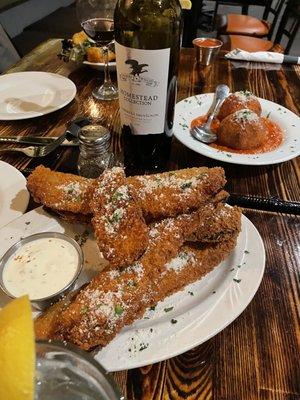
{"x":106,"y":68}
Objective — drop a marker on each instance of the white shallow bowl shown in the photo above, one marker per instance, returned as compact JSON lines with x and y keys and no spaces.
{"x":192,"y":107}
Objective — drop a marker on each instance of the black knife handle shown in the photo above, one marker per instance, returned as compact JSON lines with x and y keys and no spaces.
{"x":290,"y":59}
{"x":267,"y":204}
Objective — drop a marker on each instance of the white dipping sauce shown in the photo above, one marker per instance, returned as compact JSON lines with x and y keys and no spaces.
{"x":40,"y":268}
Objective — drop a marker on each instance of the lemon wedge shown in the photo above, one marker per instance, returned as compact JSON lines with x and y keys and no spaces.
{"x":186,"y":4}
{"x":17,"y":351}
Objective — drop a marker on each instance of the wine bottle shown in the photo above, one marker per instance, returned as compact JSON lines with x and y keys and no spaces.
{"x":147,"y":43}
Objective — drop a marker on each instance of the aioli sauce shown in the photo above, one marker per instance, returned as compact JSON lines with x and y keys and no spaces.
{"x":40,"y":268}
{"x":273,"y":140}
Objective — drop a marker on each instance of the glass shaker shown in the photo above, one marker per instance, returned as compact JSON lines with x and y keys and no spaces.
{"x":95,"y":154}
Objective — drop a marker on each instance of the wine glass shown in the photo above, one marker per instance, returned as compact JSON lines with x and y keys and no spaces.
{"x":97,"y":20}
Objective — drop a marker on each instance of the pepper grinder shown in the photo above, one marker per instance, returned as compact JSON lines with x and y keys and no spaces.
{"x":95,"y":154}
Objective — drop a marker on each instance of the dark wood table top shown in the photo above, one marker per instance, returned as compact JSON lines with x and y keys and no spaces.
{"x":257,"y":356}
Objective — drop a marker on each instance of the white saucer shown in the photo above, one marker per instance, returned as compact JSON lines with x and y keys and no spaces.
{"x":32,"y":94}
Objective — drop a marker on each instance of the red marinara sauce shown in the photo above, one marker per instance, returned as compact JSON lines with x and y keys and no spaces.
{"x":207,"y":43}
{"x":273,"y":140}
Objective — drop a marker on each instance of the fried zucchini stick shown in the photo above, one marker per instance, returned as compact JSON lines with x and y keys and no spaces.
{"x":177,"y":192}
{"x":218,"y":222}
{"x":59,"y":191}
{"x":193,"y":262}
{"x":159,"y":196}
{"x":119,"y":226}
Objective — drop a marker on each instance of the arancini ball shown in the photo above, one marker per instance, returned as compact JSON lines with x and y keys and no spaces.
{"x":239,"y":101}
{"x":242,"y":130}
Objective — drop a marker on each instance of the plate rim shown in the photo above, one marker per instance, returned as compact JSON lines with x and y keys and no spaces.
{"x":23,"y":179}
{"x":41,"y":73}
{"x":217,"y":155}
{"x":221,"y":328}
{"x":111,"y":63}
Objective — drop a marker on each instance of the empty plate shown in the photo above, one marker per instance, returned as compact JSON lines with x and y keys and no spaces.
{"x":32,"y":94}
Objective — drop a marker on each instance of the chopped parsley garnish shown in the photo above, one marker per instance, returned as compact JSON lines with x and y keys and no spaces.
{"x":232,"y":269}
{"x":143,"y":346}
{"x":27,"y":223}
{"x":246,"y":93}
{"x":183,"y":255}
{"x":213,"y":292}
{"x":81,"y":239}
{"x":191,"y":293}
{"x":132,"y":283}
{"x":152,"y":308}
{"x":167,"y":309}
{"x":117,"y":196}
{"x":119,"y":310}
{"x":117,"y":215}
{"x":173,"y":321}
{"x":246,"y":252}
{"x":237,"y":280}
{"x":186,"y":185}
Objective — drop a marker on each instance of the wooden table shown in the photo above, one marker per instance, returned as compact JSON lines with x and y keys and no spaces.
{"x":257,"y":356}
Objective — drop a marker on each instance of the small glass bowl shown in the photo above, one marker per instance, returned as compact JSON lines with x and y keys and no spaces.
{"x":45,"y":302}
{"x":66,"y":372}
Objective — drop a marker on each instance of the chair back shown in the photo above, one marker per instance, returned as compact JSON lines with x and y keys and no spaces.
{"x":274,"y":10}
{"x":8,"y":54}
{"x":289,"y":24}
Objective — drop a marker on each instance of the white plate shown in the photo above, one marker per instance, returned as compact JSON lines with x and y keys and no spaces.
{"x":14,"y":196}
{"x":192,"y":107}
{"x":32,"y":94}
{"x":100,"y":66}
{"x":216,"y":301}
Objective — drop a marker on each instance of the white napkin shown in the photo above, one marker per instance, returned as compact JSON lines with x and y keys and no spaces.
{"x":261,"y":56}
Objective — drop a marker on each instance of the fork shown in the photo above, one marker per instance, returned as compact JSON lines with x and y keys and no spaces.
{"x":37,"y":151}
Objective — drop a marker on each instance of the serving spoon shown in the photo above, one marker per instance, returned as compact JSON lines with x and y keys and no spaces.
{"x":203,"y":133}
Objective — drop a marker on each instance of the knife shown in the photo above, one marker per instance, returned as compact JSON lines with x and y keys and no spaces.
{"x":267,"y":204}
{"x":37,"y":140}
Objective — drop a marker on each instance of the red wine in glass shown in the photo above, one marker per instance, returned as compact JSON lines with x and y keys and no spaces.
{"x":99,"y":29}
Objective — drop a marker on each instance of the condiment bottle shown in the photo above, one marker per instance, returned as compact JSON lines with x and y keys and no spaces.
{"x":95,"y":154}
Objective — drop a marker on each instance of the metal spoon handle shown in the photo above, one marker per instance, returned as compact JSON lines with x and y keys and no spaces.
{"x":222,"y":91}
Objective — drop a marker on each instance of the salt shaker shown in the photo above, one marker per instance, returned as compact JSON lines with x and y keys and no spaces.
{"x":95,"y":155}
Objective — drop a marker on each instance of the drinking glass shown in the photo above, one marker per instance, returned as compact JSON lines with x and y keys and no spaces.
{"x":65,"y":372}
{"x":97,"y":20}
